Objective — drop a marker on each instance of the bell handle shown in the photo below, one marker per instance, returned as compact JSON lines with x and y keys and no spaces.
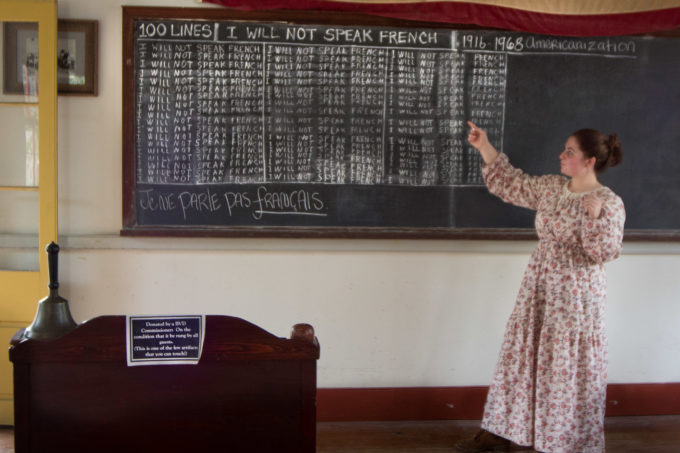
{"x":53,"y":264}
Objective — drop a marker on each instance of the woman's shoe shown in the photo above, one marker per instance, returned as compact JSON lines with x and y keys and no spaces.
{"x":522,"y":448}
{"x":483,"y":441}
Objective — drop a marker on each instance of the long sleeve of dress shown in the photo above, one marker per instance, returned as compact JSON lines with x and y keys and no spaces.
{"x":602,"y":237}
{"x":512,"y":185}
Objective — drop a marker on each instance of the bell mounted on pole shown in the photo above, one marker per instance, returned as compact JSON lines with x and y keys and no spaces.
{"x":53,"y":318}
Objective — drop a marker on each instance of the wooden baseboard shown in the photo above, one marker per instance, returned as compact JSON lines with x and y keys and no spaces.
{"x":463,"y":403}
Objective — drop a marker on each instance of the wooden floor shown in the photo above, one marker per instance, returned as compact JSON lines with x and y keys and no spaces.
{"x":659,"y":434}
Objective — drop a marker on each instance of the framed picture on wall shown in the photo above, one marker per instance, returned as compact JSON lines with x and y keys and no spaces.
{"x":76,"y":57}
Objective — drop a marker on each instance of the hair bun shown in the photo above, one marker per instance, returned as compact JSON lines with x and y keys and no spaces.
{"x":615,"y":151}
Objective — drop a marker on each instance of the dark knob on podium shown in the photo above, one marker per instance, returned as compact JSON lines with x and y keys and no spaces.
{"x":53,"y":318}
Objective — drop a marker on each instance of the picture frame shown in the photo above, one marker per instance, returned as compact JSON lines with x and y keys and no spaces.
{"x":77,"y":56}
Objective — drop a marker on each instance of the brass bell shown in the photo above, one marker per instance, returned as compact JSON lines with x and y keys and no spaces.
{"x":53,"y":318}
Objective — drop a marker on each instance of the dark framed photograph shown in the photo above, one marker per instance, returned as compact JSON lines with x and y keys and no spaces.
{"x":76,"y":57}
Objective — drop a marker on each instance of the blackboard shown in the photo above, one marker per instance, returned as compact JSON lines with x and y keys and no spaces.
{"x":297,"y":124}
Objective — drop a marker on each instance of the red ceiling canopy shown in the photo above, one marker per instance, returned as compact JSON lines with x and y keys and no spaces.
{"x":568,"y":18}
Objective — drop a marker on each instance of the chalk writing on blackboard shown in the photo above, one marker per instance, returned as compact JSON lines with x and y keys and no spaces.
{"x":233,"y":103}
{"x":249,"y":126}
{"x":246,"y":104}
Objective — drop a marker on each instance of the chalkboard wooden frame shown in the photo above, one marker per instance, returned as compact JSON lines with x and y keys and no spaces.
{"x":132,"y":228}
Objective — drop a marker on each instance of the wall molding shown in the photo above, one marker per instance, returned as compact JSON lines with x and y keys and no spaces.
{"x":467,"y":403}
{"x":81,"y":242}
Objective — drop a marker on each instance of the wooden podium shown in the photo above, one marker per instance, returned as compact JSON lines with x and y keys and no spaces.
{"x":250,"y":392}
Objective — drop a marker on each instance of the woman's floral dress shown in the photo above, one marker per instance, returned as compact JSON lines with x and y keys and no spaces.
{"x":549,"y":385}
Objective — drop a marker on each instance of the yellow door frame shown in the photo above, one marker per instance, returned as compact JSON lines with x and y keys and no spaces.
{"x":20,"y":290}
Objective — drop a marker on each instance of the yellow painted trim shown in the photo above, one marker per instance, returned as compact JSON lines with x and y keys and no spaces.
{"x":17,"y":104}
{"x":44,"y":12}
{"x":47,"y":133}
{"x":19,"y":307}
{"x":551,"y":7}
{"x":7,"y":411}
{"x":14,"y":324}
{"x":20,"y":291}
{"x":22,"y":10}
{"x":20,"y":188}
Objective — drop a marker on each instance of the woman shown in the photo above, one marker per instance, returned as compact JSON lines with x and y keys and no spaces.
{"x":550,"y":381}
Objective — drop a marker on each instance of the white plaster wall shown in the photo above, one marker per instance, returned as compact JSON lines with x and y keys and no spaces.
{"x":387,"y":313}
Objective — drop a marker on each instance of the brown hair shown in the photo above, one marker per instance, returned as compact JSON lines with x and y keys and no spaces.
{"x":606,"y":149}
